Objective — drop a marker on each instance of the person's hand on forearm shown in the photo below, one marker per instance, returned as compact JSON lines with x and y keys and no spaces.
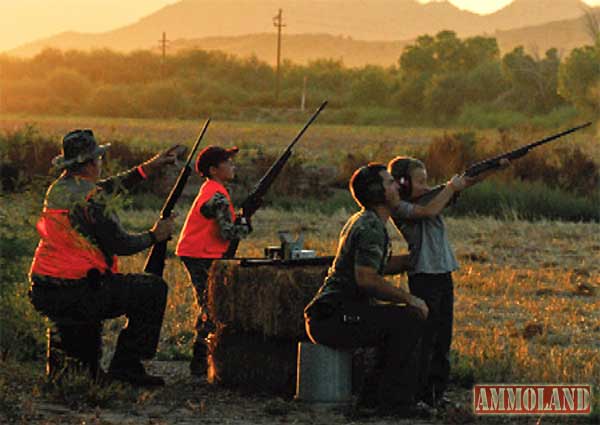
{"x":419,"y":304}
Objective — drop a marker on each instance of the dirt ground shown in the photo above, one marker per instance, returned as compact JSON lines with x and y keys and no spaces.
{"x":191,"y":400}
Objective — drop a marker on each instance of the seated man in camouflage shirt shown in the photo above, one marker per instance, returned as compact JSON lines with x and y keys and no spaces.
{"x":74,"y":276}
{"x":206,"y":234}
{"x":343,"y":313}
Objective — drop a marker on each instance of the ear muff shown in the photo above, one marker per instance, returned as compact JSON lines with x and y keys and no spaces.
{"x":401,"y":174}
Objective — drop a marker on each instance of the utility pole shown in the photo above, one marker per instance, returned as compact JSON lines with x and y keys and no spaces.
{"x":303,"y":100}
{"x":163,"y":43}
{"x":278,"y":22}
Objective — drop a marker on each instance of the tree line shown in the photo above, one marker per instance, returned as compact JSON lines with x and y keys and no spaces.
{"x":438,"y":80}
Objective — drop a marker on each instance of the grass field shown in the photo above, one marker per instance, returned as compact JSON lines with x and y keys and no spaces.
{"x":527,"y":294}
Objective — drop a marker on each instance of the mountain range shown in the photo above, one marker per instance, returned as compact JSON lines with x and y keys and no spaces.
{"x":357,"y":31}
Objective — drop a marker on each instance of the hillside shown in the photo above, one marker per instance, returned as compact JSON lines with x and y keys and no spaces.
{"x":563,"y":35}
{"x":525,"y":13}
{"x":373,"y":20}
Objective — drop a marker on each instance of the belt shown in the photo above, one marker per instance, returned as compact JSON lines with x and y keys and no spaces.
{"x":93,"y":279}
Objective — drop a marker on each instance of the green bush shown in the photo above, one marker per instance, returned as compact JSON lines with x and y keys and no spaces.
{"x":486,"y":116}
{"x":112,"y":101}
{"x":525,"y":200}
{"x":560,"y":116}
{"x":68,"y":90}
{"x":381,"y":116}
{"x":24,"y":155}
{"x":340,"y":199}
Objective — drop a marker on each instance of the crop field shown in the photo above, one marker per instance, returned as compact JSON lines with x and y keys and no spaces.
{"x":527,"y":306}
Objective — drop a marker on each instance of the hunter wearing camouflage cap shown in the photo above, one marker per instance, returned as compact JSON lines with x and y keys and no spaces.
{"x":79,"y":146}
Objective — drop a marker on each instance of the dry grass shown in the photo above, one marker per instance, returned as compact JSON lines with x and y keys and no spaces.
{"x":513,"y":274}
{"x":318,"y":140}
{"x":323,"y":143}
{"x":527,"y":299}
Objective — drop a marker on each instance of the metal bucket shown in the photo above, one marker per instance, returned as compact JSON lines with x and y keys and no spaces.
{"x":324,"y":374}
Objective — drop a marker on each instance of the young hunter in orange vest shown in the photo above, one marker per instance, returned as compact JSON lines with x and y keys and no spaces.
{"x":74,"y":274}
{"x":206,"y":234}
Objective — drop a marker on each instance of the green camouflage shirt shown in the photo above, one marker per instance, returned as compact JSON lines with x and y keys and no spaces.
{"x":217,"y":207}
{"x":364,"y":241}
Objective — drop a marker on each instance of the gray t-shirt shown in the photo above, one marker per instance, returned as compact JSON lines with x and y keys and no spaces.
{"x":429,"y":249}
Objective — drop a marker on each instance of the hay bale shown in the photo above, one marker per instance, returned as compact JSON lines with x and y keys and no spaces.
{"x":266,"y":300}
{"x":254,"y":363}
{"x":258,"y":311}
{"x":251,"y":362}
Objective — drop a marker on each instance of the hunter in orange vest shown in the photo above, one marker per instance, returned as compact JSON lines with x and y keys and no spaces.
{"x":206,"y":234}
{"x":74,"y":274}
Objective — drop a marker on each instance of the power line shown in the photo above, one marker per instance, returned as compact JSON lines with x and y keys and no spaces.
{"x":163,"y":42}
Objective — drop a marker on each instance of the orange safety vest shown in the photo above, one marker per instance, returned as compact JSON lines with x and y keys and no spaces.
{"x":201,"y":236}
{"x":63,"y":252}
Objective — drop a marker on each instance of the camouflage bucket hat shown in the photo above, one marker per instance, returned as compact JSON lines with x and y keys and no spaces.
{"x":79,"y":146}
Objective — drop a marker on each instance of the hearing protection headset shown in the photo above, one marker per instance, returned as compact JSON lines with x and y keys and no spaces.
{"x":399,"y":169}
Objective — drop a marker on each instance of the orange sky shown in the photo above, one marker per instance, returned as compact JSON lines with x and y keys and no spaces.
{"x":22,"y":21}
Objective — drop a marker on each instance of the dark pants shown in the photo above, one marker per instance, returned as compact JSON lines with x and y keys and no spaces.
{"x":437,"y":290}
{"x":396,"y":330}
{"x":73,"y":345}
{"x":198,"y":270}
{"x":78,"y":307}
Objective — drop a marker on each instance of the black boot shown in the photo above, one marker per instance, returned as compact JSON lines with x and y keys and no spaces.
{"x":133,"y":372}
{"x":198,"y":363}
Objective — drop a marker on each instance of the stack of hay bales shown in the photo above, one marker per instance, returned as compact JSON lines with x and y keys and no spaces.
{"x":258,"y":311}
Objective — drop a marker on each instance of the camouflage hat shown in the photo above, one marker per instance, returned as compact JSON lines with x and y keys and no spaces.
{"x":212,"y":156}
{"x":79,"y":146}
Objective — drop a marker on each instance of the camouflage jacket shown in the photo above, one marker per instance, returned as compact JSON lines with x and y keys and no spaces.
{"x":92,"y":211}
{"x":218,"y":208}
